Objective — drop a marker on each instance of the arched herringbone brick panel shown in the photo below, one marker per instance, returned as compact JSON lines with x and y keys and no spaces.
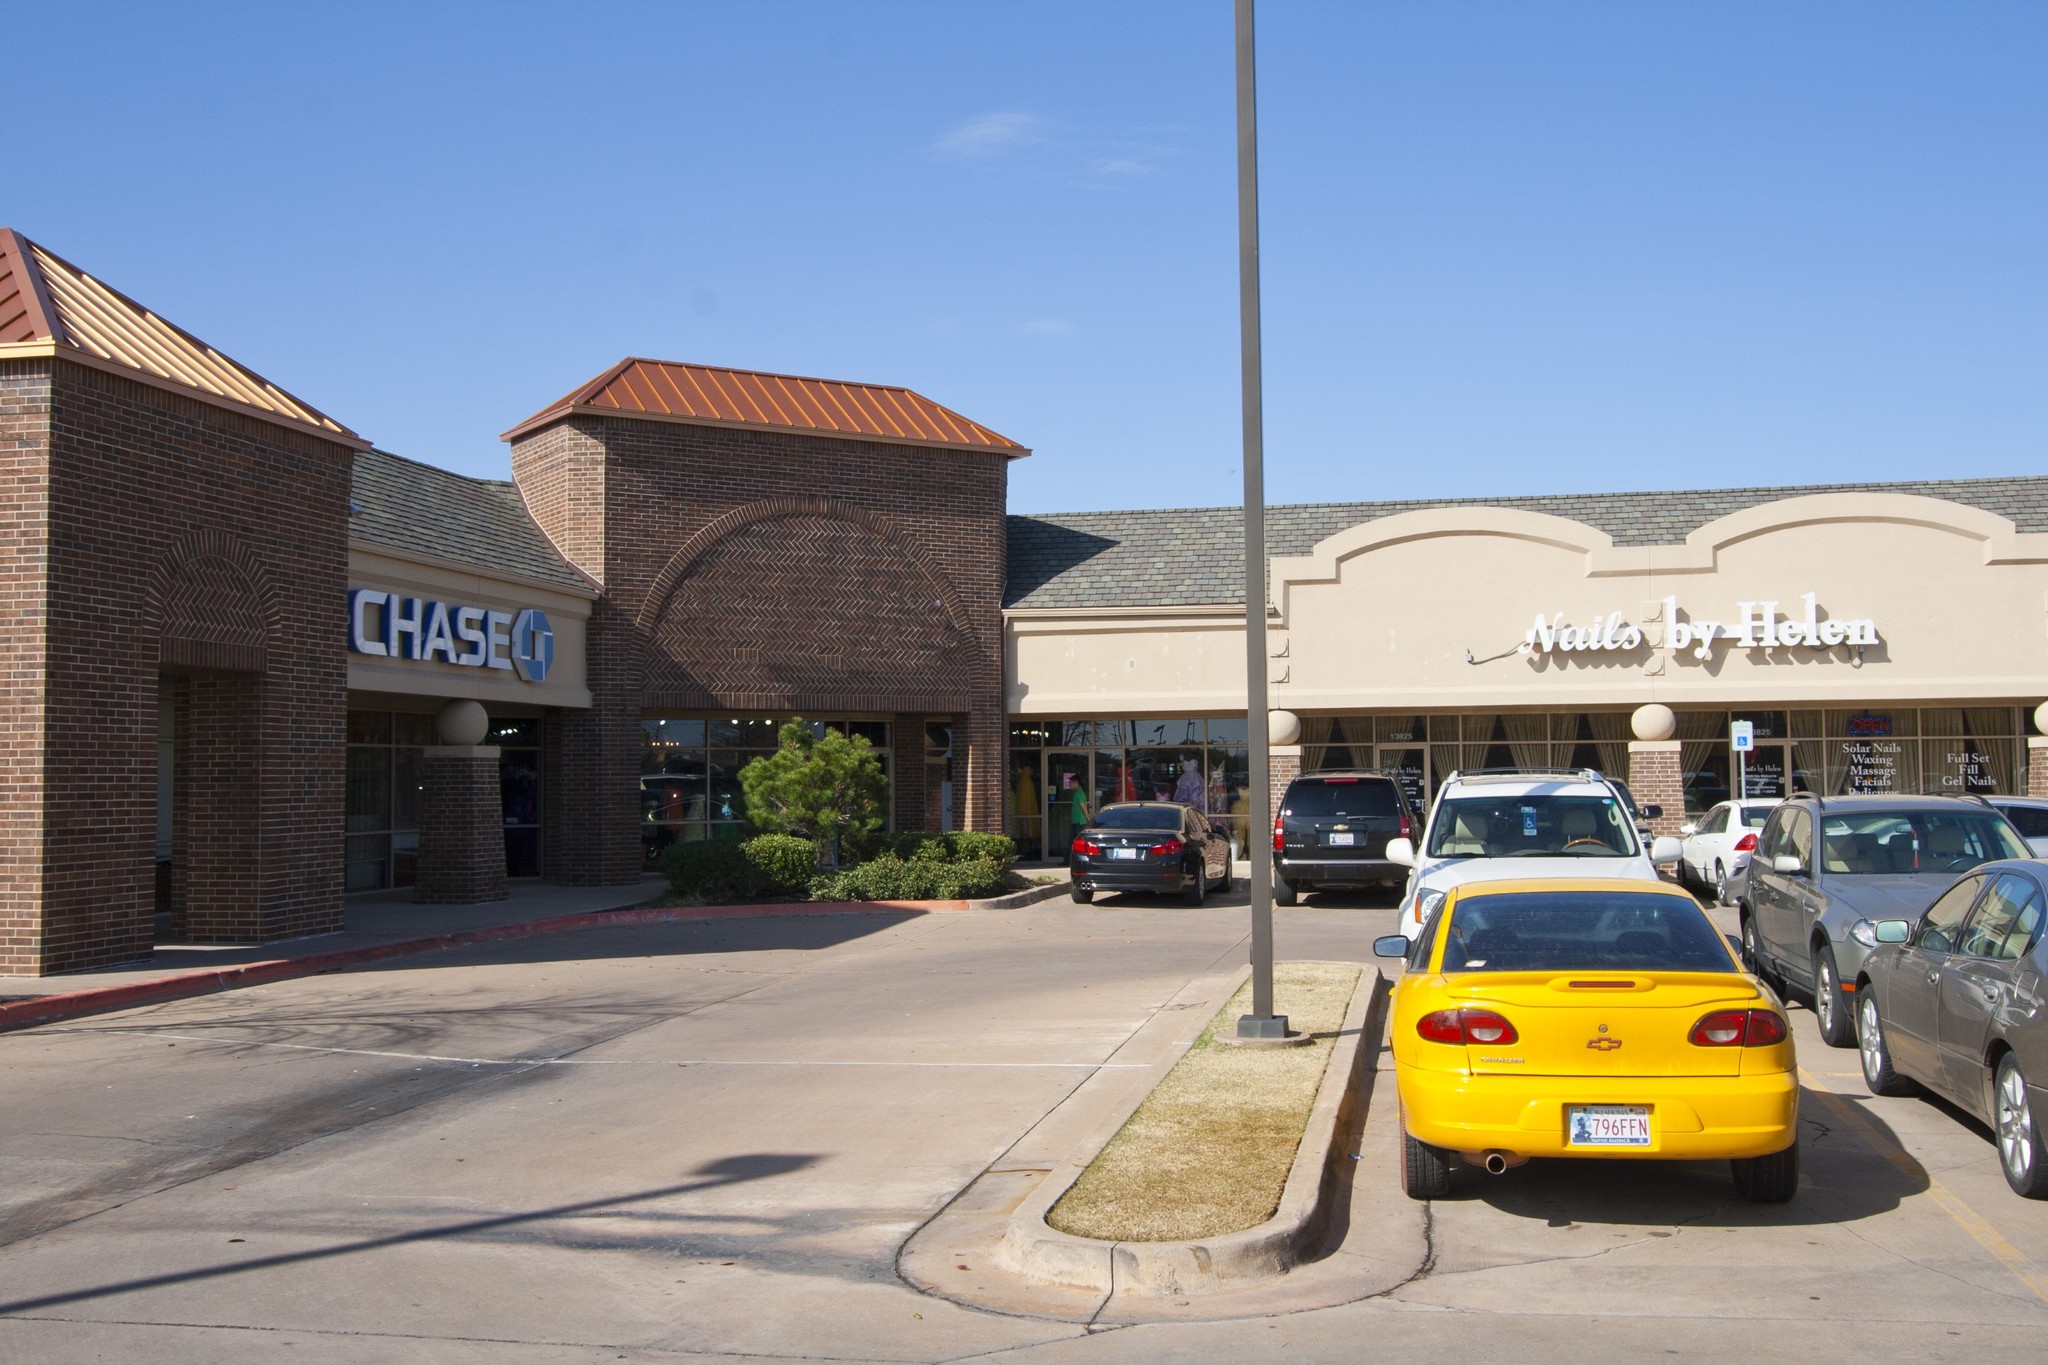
{"x":211,"y":615}
{"x":807,"y":611}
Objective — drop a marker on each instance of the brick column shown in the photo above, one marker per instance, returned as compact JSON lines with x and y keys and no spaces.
{"x":906,"y":770}
{"x":978,"y":800}
{"x":1286,"y":766}
{"x":2037,"y":765}
{"x":462,"y":827}
{"x":1656,"y":779}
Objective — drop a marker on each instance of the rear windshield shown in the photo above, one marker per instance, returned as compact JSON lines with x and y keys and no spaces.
{"x":1875,"y":843}
{"x":1754,"y":817}
{"x":1534,"y":826}
{"x":1138,"y":817}
{"x":1342,"y":796}
{"x":1567,"y":931}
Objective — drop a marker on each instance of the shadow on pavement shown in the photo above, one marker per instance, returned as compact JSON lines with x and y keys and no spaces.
{"x":1852,"y":1167}
{"x":727,"y":1171}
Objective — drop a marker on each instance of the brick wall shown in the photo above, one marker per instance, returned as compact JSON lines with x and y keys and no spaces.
{"x":1656,"y":779}
{"x":462,"y":827}
{"x":768,"y":571}
{"x":156,"y":529}
{"x":2037,"y":765}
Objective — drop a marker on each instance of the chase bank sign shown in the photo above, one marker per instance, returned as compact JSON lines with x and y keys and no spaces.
{"x":387,"y":625}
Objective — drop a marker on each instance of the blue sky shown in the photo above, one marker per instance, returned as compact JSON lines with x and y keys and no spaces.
{"x":1509,"y":248}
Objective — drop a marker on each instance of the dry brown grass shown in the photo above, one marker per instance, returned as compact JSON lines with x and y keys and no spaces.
{"x":1209,"y":1151}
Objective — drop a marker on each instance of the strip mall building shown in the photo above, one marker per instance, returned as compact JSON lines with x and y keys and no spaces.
{"x":253,"y":665}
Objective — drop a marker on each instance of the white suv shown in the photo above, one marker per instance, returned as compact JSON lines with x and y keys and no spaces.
{"x":1498,"y":826}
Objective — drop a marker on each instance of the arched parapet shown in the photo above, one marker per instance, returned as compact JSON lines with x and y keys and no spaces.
{"x":2003,"y":542}
{"x":1325,"y":563}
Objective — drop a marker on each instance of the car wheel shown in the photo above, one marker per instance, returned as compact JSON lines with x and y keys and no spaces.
{"x":1772,"y":1179}
{"x":1837,"y":1029}
{"x":1283,"y":892}
{"x":1877,"y":1055}
{"x":1720,"y":885}
{"x":2019,"y":1134}
{"x":1197,"y":888}
{"x":1081,"y":894}
{"x":1425,"y":1170}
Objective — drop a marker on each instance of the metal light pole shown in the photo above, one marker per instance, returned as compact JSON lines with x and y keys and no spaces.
{"x":1261,"y":1022}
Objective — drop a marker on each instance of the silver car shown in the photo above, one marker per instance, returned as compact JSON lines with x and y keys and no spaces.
{"x":1823,"y":864}
{"x":1952,"y":1001}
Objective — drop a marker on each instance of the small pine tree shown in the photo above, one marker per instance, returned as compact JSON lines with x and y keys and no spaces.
{"x":823,"y":788}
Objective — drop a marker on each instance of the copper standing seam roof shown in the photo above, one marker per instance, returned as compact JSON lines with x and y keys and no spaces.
{"x":49,"y":306}
{"x":669,"y":391}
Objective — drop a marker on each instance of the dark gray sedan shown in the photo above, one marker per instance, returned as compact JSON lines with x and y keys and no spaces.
{"x":1159,"y":846}
{"x":1953,"y":1000}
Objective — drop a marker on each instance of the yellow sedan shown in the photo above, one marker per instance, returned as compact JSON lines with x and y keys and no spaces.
{"x":1587,"y":1018}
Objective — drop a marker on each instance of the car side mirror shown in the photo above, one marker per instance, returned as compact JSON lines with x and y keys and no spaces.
{"x":1688,"y":830}
{"x":1653,"y":812}
{"x":1665,"y":849}
{"x":1392,"y":945}
{"x":1788,"y":864}
{"x":1893,"y":931}
{"x":1401,"y":851}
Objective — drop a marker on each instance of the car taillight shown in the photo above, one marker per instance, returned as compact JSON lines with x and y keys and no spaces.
{"x":1170,"y":849}
{"x":1277,"y":835}
{"x":1406,"y":831}
{"x":1746,"y":844}
{"x":1467,"y":1026}
{"x":1086,"y":846}
{"x":1739,"y":1028}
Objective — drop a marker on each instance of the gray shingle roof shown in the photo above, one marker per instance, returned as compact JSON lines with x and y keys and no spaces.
{"x":1181,"y":557}
{"x":408,"y":506}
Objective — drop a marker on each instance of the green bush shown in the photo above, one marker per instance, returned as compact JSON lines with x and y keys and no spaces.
{"x":970,"y":844}
{"x":920,"y":846}
{"x":889,"y":877}
{"x":721,"y":869}
{"x":827,"y":786}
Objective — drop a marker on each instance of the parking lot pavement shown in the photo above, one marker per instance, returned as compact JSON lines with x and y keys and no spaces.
{"x":707,"y":1141}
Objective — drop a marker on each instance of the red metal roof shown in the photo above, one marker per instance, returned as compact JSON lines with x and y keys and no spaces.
{"x":49,"y":306}
{"x":665,"y":390}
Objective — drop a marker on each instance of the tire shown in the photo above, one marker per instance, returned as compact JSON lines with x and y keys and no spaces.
{"x":1284,"y":892}
{"x":1877,"y":1054}
{"x":1425,"y":1170}
{"x":1081,"y":895}
{"x":2020,"y":1154}
{"x":1197,"y":889}
{"x":1837,"y":1028}
{"x":1772,"y":1179}
{"x":1720,"y":884}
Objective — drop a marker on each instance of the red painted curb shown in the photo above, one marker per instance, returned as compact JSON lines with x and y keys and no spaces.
{"x":48,"y":1009}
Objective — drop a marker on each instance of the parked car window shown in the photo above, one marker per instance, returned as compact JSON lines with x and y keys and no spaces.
{"x":2031,"y":822}
{"x":1343,"y":796}
{"x":1879,"y":843}
{"x":1138,"y":817}
{"x":1773,"y":838}
{"x":1533,"y":826}
{"x":1943,"y":922}
{"x":1797,"y":838}
{"x":1753,"y":817}
{"x":1542,"y":931}
{"x":2004,"y":926}
{"x":1716,"y":821}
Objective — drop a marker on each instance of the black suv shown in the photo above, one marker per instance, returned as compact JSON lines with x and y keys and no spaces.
{"x":1332,"y":830}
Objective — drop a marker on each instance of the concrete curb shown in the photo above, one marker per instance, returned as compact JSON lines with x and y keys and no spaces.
{"x":1028,"y":896}
{"x":1298,"y":1228}
{"x":19,"y":1014}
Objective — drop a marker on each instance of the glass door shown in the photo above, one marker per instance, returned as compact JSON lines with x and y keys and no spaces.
{"x":1766,"y":772}
{"x":1070,"y":797}
{"x":1410,"y":763}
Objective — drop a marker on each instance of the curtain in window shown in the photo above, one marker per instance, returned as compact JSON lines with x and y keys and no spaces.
{"x":1528,"y":738}
{"x":1611,"y":733}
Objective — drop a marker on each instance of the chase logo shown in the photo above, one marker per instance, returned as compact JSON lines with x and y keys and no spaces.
{"x":533,"y":645}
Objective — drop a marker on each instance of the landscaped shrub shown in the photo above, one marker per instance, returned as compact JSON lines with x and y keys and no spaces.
{"x":970,"y":844}
{"x":725,"y":869}
{"x":892,"y":878}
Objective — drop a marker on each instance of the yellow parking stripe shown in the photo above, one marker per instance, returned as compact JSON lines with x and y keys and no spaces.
{"x":1967,"y":1218}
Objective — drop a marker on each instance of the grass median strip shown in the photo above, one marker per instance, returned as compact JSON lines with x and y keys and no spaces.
{"x":1209,"y":1150}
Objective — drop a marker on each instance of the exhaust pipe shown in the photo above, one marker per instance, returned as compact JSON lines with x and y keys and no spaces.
{"x":1493,"y":1160}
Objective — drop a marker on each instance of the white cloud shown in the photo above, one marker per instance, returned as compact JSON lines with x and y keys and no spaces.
{"x":986,"y":136}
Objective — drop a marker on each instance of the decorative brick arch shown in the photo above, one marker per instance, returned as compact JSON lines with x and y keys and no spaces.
{"x":808,"y":603}
{"x":213,"y":605}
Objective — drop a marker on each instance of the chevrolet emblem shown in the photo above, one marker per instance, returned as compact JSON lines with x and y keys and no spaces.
{"x":1604,"y":1044}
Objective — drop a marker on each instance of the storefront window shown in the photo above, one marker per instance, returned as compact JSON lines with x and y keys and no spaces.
{"x":382,"y":798}
{"x":690,"y":770}
{"x":518,"y":742}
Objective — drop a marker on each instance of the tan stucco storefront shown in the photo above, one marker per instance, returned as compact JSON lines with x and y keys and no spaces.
{"x":1877,"y":639}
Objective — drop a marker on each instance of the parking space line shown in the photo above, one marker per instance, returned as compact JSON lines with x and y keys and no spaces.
{"x":1967,"y":1218}
{"x":592,"y":1061}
